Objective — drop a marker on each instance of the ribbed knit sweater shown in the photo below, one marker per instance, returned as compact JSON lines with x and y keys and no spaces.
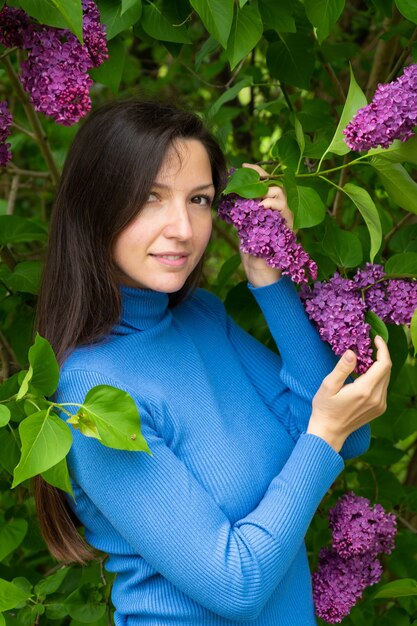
{"x":210,"y":528}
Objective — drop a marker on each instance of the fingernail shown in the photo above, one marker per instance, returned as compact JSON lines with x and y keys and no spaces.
{"x":349,"y":357}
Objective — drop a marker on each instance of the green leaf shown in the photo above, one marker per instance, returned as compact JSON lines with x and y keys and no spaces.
{"x":228,"y":95}
{"x":287,"y":151}
{"x":245,"y":33}
{"x":402,"y":265}
{"x":46,"y":440}
{"x":408,"y":8}
{"x":398,"y":151}
{"x":291,"y":60}
{"x":277,"y":15}
{"x":110,"y":72}
{"x":11,"y":536}
{"x":217,"y":17}
{"x":323,"y":14}
{"x":382,"y":453}
{"x":299,"y":134}
{"x":4,"y":415}
{"x":157,"y":25}
{"x":366,"y":206}
{"x":343,"y":247}
{"x":15,"y":229}
{"x":10,"y":452}
{"x":25,"y":276}
{"x":397,"y":589}
{"x":43,"y":372}
{"x":58,"y":13}
{"x":355,"y":100}
{"x":247,"y":183}
{"x":413,"y":331}
{"x":305,"y":203}
{"x":2,"y":620}
{"x":115,"y":416}
{"x":378,"y":327}
{"x":11,"y":595}
{"x":52,"y":583}
{"x":227,"y":270}
{"x":398,"y":184}
{"x":116,"y":19}
{"x":58,"y":476}
{"x":83,"y":606}
{"x":127,"y":4}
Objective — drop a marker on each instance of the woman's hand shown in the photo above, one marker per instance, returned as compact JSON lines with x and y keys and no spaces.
{"x":258,"y":272}
{"x":339,"y":409}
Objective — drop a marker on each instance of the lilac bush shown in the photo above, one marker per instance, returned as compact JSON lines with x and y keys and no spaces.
{"x":5,"y":124}
{"x":392,"y":114}
{"x":264,"y":233}
{"x":359,"y":534}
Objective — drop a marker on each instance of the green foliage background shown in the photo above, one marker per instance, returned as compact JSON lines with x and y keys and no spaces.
{"x":277,"y":82}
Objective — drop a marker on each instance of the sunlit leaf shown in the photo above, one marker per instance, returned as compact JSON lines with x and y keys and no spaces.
{"x":58,"y":13}
{"x":43,"y":372}
{"x":115,"y":416}
{"x":245,"y":33}
{"x":11,"y":595}
{"x":369,"y":212}
{"x":323,"y":14}
{"x":397,"y":589}
{"x":58,"y":476}
{"x":355,"y":100}
{"x":402,"y":265}
{"x":408,"y":8}
{"x":217,"y":17}
{"x":46,"y":440}
{"x":399,"y":185}
{"x":247,"y":183}
{"x":4,"y":415}
{"x":378,"y":327}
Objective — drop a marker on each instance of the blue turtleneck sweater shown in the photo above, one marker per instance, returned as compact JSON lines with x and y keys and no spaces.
{"x":210,"y":528}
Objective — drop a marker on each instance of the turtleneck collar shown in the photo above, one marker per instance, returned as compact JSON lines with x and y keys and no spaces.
{"x":142,"y":308}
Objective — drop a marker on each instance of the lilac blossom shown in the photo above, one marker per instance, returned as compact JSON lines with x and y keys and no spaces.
{"x":338,"y":311}
{"x":13,"y":23}
{"x":5,"y":124}
{"x":264,"y":233}
{"x":392,"y":114}
{"x":358,"y":528}
{"x":55,"y":74}
{"x":359,"y":534}
{"x":339,"y":583}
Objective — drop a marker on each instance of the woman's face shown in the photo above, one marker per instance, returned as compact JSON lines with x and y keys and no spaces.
{"x":160,"y":248}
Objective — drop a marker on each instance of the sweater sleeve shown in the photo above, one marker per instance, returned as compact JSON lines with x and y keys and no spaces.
{"x":158,"y":506}
{"x":304,"y":361}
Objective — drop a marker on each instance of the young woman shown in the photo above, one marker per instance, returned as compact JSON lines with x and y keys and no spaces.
{"x":210,"y":528}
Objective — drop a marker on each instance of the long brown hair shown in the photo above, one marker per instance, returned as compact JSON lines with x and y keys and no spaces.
{"x":107,"y":177}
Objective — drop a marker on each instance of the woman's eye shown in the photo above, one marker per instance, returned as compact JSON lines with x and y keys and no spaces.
{"x":152,"y":197}
{"x":202,"y":200}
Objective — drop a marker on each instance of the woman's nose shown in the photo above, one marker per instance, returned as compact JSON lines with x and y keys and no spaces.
{"x":179,"y":223}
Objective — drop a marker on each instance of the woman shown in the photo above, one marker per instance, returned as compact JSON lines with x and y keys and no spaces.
{"x":210,"y":528}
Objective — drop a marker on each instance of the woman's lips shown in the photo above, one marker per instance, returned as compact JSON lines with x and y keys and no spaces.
{"x":172,"y":260}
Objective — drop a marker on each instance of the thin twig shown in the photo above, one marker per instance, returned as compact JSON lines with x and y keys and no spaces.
{"x":4,"y":363}
{"x":340,"y":195}
{"x":406,"y":523}
{"x":235,"y":73}
{"x":397,"y":227}
{"x":7,"y":52}
{"x":333,"y":77}
{"x":24,"y":130}
{"x":6,"y":346}
{"x":32,"y":173}
{"x":402,"y":58}
{"x":13,"y":194}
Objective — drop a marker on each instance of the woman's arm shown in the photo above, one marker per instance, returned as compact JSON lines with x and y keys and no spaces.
{"x":159,"y":507}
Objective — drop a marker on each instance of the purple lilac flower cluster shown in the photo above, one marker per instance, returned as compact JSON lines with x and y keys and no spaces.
{"x":338,"y":308}
{"x":264,"y":233}
{"x":392,"y":114}
{"x":359,"y":534}
{"x":55,"y":73}
{"x":5,"y":124}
